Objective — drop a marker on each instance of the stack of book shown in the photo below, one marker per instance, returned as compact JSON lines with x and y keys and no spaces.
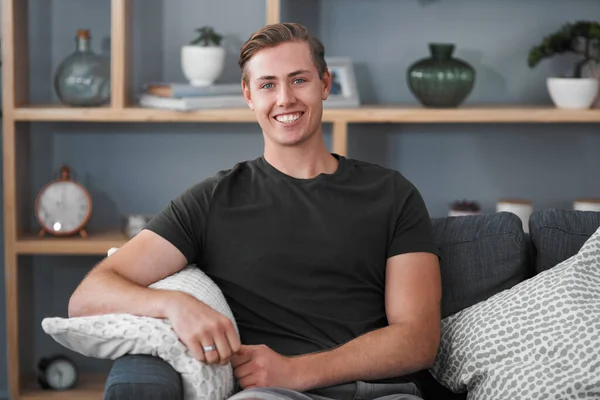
{"x":185,"y":97}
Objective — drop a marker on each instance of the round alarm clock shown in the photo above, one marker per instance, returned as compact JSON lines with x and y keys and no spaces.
{"x":57,"y":372}
{"x":63,"y":207}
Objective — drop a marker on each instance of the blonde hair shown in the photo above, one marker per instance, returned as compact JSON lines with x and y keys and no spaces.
{"x":276,"y":34}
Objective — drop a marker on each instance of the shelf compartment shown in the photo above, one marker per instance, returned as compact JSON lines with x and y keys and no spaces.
{"x":89,"y":387}
{"x":96,"y":243}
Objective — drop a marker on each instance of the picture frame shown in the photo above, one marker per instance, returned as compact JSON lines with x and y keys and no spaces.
{"x":344,"y":91}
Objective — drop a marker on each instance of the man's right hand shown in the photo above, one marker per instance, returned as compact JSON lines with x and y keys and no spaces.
{"x":198,"y":325}
{"x":121,"y":282}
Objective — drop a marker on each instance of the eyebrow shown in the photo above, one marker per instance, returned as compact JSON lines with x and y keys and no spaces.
{"x":290,"y":75}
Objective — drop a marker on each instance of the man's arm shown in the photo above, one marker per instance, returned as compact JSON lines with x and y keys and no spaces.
{"x":119,"y":283}
{"x":407,"y":345}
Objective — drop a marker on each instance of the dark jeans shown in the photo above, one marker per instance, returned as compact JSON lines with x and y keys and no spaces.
{"x":351,"y":391}
{"x":135,"y":377}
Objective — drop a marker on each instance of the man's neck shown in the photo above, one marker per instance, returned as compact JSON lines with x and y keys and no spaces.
{"x":301,"y":163}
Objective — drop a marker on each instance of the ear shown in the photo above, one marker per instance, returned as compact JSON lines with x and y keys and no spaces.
{"x":326,"y":84}
{"x":247,"y":95}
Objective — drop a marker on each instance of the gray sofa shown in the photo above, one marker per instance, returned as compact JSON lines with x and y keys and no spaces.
{"x":480,"y":256}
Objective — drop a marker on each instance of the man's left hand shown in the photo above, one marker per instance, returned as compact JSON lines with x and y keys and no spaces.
{"x":259,"y":366}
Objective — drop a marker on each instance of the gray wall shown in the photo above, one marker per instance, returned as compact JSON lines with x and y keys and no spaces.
{"x":131,"y":168}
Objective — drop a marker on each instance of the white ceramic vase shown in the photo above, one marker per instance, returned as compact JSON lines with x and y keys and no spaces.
{"x":573,"y":93}
{"x":202,"y":65}
{"x":521,"y":208}
{"x":587,"y":205}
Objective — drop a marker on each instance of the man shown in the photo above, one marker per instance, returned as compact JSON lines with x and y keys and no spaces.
{"x":327,"y":263}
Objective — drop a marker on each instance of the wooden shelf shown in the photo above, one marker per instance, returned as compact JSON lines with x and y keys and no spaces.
{"x":130,"y":114}
{"x":89,"y":387}
{"x":471,"y":114}
{"x":95,"y":243}
{"x":366,"y":114}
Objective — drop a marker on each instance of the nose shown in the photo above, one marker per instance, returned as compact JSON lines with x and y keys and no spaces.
{"x":285,"y":97}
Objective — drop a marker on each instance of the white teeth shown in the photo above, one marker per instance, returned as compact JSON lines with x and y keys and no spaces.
{"x":288,"y":118}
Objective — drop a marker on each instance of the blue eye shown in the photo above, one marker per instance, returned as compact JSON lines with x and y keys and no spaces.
{"x":299,"y":79}
{"x":265,"y":86}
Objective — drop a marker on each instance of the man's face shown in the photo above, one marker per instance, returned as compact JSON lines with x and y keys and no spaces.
{"x":286,"y":93}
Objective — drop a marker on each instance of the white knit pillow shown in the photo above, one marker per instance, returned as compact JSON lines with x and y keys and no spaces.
{"x":111,"y":336}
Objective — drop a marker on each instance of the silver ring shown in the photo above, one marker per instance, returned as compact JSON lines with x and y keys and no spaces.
{"x":209,"y":348}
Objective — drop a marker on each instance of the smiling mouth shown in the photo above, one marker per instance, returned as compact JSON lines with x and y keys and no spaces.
{"x":288,"y":118}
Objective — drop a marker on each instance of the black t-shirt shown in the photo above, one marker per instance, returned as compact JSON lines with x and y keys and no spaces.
{"x":301,"y":262}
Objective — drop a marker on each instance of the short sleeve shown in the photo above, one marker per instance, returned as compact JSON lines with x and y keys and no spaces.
{"x":413,"y":230}
{"x":183,"y":221}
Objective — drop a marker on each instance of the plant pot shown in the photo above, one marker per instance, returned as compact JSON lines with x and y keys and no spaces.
{"x":521,"y":208}
{"x":202,"y":65}
{"x":441,"y":80}
{"x":573,"y":93}
{"x":587,"y":205}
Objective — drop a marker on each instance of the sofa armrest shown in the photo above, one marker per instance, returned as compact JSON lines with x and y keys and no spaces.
{"x":142,"y":377}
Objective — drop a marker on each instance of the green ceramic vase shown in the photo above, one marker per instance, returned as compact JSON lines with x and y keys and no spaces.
{"x":441,"y":80}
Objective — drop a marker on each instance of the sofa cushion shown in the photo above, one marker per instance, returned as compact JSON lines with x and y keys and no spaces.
{"x":480,"y":255}
{"x":558,"y":234}
{"x":538,"y":339}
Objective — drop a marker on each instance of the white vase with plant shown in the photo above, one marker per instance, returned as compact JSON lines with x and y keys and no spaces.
{"x":580,"y":89}
{"x":203,"y":59}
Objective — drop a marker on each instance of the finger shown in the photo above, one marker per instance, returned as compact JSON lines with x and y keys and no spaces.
{"x":223,"y":349}
{"x":236,"y":360}
{"x":247,"y":348}
{"x":240,"y":358}
{"x":243,"y":370}
{"x":247,"y":382}
{"x":195,"y":349}
{"x":211,"y":356}
{"x":233,"y":338}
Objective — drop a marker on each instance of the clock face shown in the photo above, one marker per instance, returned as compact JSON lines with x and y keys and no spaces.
{"x":63,"y":207}
{"x":61,"y":374}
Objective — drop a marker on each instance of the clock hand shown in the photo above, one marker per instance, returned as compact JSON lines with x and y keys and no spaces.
{"x":59,"y":378}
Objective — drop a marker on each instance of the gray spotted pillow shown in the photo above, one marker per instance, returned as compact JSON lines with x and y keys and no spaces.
{"x":538,"y":340}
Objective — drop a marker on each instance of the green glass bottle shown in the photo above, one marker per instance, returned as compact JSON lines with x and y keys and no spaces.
{"x":441,"y":80}
{"x":83,"y":78}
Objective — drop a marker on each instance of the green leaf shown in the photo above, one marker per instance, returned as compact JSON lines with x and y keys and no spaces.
{"x":570,"y":38}
{"x":207,"y":37}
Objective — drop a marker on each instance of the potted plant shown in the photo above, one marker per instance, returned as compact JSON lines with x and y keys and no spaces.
{"x":203,"y":59}
{"x":578,"y":90}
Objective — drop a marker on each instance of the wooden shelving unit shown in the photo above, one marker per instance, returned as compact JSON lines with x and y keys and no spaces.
{"x":17,"y":112}
{"x":91,"y":388}
{"x":96,"y":243}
